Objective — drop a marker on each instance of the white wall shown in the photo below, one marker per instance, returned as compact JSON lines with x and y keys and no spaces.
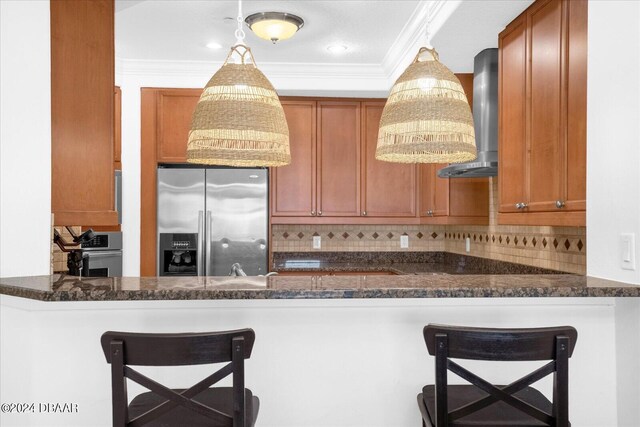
{"x":613,"y":136}
{"x":25,"y":138}
{"x":315,"y":363}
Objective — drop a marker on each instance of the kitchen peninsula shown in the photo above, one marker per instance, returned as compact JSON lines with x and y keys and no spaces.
{"x":347,"y":341}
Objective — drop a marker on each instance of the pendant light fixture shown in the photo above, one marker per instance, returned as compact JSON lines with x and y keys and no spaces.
{"x":239,"y":120}
{"x":427,"y":118}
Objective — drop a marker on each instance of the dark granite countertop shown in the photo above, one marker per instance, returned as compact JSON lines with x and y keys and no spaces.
{"x":68,"y":288}
{"x":398,"y":263}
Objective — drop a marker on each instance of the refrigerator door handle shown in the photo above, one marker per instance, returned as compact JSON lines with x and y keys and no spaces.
{"x":200,"y":243}
{"x":208,"y":226}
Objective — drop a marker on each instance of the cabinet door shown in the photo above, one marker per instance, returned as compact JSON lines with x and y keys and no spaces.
{"x":338,"y":158}
{"x":512,"y":118}
{"x":293,"y":187}
{"x":389,"y":189}
{"x":576,"y":154}
{"x":82,"y":108}
{"x":546,"y":139}
{"x":469,"y":197}
{"x":434,"y":191}
{"x":175,"y":108}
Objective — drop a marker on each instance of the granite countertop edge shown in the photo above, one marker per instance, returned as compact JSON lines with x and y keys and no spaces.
{"x":471,"y":290}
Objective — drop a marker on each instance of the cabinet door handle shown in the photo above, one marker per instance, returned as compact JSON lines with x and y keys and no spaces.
{"x":429,"y":212}
{"x":364,"y":213}
{"x":320,"y":213}
{"x":313,"y":213}
{"x":559,"y":204}
{"x":518,"y":205}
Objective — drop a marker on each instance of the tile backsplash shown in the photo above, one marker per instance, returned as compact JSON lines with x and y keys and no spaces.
{"x":557,"y":248}
{"x":299,"y":238}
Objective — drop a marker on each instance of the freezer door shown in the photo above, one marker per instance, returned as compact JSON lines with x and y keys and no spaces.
{"x":181,"y":204}
{"x":236,"y":221}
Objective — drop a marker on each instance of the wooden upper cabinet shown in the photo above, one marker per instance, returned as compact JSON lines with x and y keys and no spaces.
{"x":512,"y":149}
{"x":542,"y":125}
{"x":434,"y":191}
{"x":453,"y":200}
{"x":546,"y":138}
{"x":82,"y":113}
{"x":576,"y":153}
{"x":175,"y":108}
{"x":338,"y":158}
{"x":388,"y":189}
{"x":469,"y":198}
{"x":293,"y":187}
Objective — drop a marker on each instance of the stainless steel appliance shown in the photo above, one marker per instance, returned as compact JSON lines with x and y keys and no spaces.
{"x":485,"y":120}
{"x":210,"y":219}
{"x":102,"y":255}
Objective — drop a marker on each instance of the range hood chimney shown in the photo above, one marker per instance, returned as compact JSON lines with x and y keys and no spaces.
{"x":485,"y":119}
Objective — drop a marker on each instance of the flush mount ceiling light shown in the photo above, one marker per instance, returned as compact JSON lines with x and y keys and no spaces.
{"x":214,"y":45}
{"x":274,"y":26}
{"x":239,"y":120}
{"x":427,"y":118}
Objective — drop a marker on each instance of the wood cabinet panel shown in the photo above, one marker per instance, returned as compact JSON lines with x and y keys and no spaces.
{"x":545,"y":139}
{"x":389,"y":189}
{"x":293,"y":187}
{"x":175,"y":108}
{"x":82,"y":112}
{"x":576,"y":153}
{"x":469,"y":197}
{"x":434,"y":191}
{"x":554,"y":153}
{"x":338,"y":158}
{"x":511,"y":118}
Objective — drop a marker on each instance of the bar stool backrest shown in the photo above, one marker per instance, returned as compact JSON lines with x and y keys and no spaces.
{"x":122,"y":349}
{"x":554,"y":343}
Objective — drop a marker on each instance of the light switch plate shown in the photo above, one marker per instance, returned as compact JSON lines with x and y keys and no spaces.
{"x":467,"y":244}
{"x":404,"y":242}
{"x":628,"y":251}
{"x":317,"y":242}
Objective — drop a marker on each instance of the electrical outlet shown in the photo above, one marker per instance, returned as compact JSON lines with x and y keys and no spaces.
{"x":404,"y":242}
{"x":317,"y":242}
{"x":628,"y":251}
{"x":467,"y":244}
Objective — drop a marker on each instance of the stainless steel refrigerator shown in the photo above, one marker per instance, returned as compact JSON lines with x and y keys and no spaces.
{"x":210,"y":219}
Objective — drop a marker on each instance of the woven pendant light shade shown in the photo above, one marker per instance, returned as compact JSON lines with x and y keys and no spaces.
{"x":427,"y":118}
{"x":239,"y":120}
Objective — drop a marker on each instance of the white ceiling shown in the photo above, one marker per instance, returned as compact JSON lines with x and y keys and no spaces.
{"x":474,"y":26}
{"x":162,"y":43}
{"x":180,"y":30}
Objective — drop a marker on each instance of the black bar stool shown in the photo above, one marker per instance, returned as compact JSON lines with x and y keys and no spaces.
{"x":197,"y":406}
{"x":483,"y":404}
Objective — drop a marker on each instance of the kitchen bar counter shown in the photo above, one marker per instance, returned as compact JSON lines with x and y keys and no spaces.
{"x":330,"y":332}
{"x":68,"y":288}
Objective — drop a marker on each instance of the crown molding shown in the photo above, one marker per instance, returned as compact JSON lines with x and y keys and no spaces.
{"x":413,"y":34}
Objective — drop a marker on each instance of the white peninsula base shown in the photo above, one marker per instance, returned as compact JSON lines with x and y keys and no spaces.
{"x":316,"y":363}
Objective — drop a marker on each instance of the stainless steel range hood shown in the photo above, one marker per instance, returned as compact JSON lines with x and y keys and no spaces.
{"x":485,"y":119}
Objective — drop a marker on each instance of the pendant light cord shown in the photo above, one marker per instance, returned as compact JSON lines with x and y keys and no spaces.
{"x":239,"y":31}
{"x":427,"y":26}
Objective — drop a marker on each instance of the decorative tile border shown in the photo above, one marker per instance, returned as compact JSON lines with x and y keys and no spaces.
{"x":348,"y":238}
